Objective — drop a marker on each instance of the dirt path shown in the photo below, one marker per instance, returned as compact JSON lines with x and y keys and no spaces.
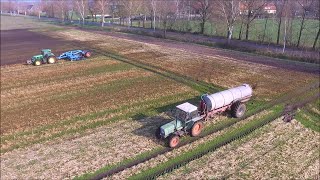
{"x":204,"y":50}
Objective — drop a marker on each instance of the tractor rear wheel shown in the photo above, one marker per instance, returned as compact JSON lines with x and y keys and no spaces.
{"x":51,"y":60}
{"x":238,"y":109}
{"x":174,"y":141}
{"x":37,"y":63}
{"x":196,"y":128}
{"x":87,"y":54}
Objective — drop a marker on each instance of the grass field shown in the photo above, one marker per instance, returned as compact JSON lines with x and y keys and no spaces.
{"x":256,"y":31}
{"x":74,"y":118}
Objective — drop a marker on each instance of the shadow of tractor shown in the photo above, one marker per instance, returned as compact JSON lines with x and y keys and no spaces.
{"x":149,"y":125}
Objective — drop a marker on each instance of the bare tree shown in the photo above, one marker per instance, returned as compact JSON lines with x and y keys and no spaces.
{"x":316,"y":11}
{"x":130,"y":7}
{"x":204,"y":9}
{"x":7,"y":6}
{"x":229,"y":10}
{"x":241,"y":26}
{"x":253,"y":9}
{"x":167,"y":14}
{"x":305,"y":6}
{"x":39,"y":7}
{"x":280,"y":4}
{"x":145,"y":9}
{"x":154,"y":10}
{"x":61,"y":8}
{"x":103,"y":5}
{"x":92,"y":10}
{"x":81,"y":8}
{"x":287,"y":15}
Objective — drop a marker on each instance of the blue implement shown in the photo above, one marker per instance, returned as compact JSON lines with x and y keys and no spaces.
{"x":74,"y":55}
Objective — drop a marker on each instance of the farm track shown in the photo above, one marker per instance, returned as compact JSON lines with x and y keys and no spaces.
{"x":285,"y":99}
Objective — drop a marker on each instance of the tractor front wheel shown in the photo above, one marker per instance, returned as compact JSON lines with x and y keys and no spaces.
{"x":174,"y":141}
{"x":196,"y":128}
{"x":52,"y":60}
{"x":37,"y":63}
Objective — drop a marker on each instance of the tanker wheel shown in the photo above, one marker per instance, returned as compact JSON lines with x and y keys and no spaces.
{"x":87,"y":54}
{"x":52,"y":60}
{"x":158,"y":136}
{"x":196,"y":128}
{"x":37,"y":63}
{"x":238,"y":110}
{"x":174,"y":141}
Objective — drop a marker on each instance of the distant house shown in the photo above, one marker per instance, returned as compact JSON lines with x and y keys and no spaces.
{"x":268,"y":8}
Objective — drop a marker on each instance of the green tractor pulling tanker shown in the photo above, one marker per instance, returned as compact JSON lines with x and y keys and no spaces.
{"x":188,"y":119}
{"x":46,"y":57}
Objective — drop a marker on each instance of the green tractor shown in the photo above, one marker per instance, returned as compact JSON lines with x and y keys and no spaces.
{"x":46,"y":57}
{"x":186,"y":121}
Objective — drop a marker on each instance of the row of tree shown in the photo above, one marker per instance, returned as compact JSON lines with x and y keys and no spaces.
{"x":166,"y":13}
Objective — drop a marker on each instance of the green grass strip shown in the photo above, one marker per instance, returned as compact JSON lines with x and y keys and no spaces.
{"x":312,"y":123}
{"x":209,"y":146}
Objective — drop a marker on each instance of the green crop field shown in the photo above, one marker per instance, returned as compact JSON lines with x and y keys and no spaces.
{"x":80,"y":119}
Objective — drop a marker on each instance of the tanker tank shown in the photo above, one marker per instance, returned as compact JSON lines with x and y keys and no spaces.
{"x":224,"y":98}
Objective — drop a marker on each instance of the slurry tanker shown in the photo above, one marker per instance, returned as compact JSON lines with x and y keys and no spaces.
{"x":188,"y":118}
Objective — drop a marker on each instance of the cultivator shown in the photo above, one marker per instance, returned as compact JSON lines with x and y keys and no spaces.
{"x":46,"y":57}
{"x":75,"y":55}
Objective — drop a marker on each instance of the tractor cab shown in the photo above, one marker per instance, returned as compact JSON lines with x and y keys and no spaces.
{"x":185,"y":112}
{"x":186,"y":121}
{"x":46,"y":52}
{"x":184,"y":115}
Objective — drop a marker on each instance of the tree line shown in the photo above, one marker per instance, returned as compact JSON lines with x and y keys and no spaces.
{"x":165,"y":14}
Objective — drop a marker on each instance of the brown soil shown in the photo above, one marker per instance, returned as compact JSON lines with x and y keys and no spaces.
{"x":19,"y":45}
{"x":225,"y":71}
